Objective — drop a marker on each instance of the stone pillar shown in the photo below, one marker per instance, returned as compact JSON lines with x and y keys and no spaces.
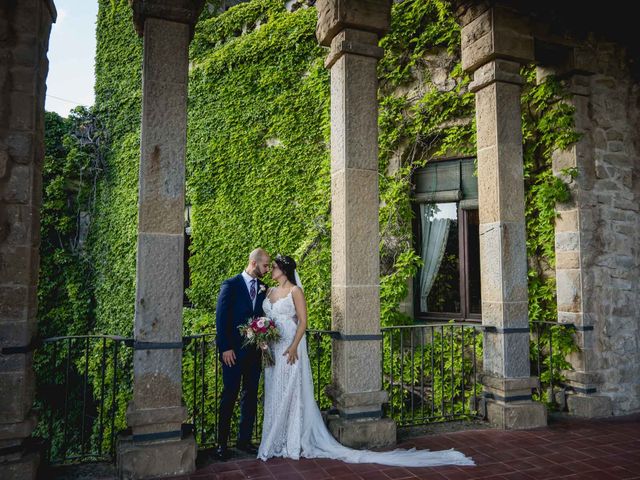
{"x":24,"y":40}
{"x":495,"y":42}
{"x":352,"y":29}
{"x":575,"y":238}
{"x":157,"y":445}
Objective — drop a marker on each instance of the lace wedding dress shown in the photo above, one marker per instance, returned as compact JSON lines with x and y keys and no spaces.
{"x":293,"y":426}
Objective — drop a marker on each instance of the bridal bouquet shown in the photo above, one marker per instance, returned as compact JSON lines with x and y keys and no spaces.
{"x":260,"y":331}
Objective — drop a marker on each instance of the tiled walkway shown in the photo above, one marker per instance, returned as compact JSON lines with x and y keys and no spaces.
{"x":567,"y":449}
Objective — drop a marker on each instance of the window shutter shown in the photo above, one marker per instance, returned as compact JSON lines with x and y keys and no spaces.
{"x":448,"y":181}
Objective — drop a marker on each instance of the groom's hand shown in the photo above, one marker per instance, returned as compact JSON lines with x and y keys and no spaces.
{"x":229,"y":358}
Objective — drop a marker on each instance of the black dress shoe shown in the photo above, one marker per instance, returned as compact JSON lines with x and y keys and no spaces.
{"x":222,"y":453}
{"x":247,"y":448}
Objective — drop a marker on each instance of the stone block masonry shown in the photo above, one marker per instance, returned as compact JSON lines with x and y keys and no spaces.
{"x":612,"y":253}
{"x":24,"y":38}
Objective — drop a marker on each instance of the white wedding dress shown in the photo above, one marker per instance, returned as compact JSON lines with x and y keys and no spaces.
{"x":292,"y":424}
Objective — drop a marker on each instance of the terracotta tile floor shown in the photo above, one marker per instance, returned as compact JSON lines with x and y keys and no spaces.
{"x":568,"y":449}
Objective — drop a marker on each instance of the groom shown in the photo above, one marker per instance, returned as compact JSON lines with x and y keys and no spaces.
{"x":240,"y":298}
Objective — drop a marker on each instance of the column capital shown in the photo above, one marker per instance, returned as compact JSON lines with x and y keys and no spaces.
{"x":497,"y":70}
{"x":336,"y":15}
{"x":181,"y":11}
{"x":495,"y":32}
{"x":356,"y":42}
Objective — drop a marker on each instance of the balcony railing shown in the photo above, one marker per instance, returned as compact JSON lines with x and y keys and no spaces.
{"x":84,"y":386}
{"x":202,"y":382}
{"x":85,"y":383}
{"x":430,"y":372}
{"x":550,"y":348}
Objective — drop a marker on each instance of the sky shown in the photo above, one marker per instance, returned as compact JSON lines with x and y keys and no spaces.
{"x":72,"y":48}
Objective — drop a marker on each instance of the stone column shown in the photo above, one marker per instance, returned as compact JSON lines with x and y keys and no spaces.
{"x":157,"y":445}
{"x":24,"y":40}
{"x":352,"y":29}
{"x":495,"y":42}
{"x":575,"y":239}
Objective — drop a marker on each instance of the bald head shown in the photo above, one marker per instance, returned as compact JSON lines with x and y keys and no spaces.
{"x":259,"y":261}
{"x":257,"y":255}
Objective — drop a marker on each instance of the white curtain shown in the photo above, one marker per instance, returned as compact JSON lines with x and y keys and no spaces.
{"x":434,"y":241}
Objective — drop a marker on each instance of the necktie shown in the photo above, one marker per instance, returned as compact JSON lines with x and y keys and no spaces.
{"x":252,"y":290}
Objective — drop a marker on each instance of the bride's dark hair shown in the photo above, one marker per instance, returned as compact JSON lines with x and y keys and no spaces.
{"x":288,"y":267}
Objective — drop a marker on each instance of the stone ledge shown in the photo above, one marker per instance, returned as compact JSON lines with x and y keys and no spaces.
{"x":357,"y":400}
{"x":589,"y":406}
{"x":23,"y":469}
{"x":19,"y":430}
{"x":156,"y":459}
{"x":509,"y":384}
{"x":516,"y":416}
{"x":363,"y":433}
{"x":584,"y":379}
{"x":149,"y":421}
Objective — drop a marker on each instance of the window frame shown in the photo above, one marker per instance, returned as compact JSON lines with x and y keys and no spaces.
{"x":463,"y":265}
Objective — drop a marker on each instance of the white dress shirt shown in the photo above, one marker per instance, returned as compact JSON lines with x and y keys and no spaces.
{"x":247,"y":280}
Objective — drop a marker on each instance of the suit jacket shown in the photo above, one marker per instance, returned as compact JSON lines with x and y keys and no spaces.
{"x":234,"y":309}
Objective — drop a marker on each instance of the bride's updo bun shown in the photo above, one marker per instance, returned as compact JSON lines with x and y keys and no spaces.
{"x":288,"y":267}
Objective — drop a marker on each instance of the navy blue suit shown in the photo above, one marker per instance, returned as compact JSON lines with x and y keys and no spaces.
{"x":234,"y":310}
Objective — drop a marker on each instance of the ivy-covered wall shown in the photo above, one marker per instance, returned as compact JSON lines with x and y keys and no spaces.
{"x":258,"y":166}
{"x":64,"y":302}
{"x":258,"y":158}
{"x":257,"y":161}
{"x":113,"y":232}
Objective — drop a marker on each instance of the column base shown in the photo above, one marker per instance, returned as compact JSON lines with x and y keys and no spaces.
{"x":369,"y":433}
{"x":589,"y":406}
{"x":23,"y":468}
{"x":516,"y":415}
{"x":155,"y":459}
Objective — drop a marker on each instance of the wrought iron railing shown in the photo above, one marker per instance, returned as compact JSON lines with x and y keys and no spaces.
{"x":551,"y":344}
{"x":85,"y":383}
{"x":202,"y":382}
{"x":430,"y":371}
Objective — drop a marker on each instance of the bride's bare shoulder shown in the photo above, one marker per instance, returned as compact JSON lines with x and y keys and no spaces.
{"x":297,"y":292}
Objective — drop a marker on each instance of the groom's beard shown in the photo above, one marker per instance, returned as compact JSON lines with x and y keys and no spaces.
{"x":257,"y":272}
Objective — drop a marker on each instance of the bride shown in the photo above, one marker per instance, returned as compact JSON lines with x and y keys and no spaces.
{"x":292,"y":424}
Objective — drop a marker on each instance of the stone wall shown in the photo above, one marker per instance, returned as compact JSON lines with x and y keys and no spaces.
{"x":612,"y":279}
{"x":24,"y":38}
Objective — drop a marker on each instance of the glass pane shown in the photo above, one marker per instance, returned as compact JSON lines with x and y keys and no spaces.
{"x":469,"y":179}
{"x":473,"y":260}
{"x":444,"y":294}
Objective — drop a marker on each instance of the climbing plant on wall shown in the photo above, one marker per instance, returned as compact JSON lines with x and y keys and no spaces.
{"x":258,"y":170}
{"x":64,"y":302}
{"x":547,"y":126}
{"x":257,"y":154}
{"x":118,"y":104}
